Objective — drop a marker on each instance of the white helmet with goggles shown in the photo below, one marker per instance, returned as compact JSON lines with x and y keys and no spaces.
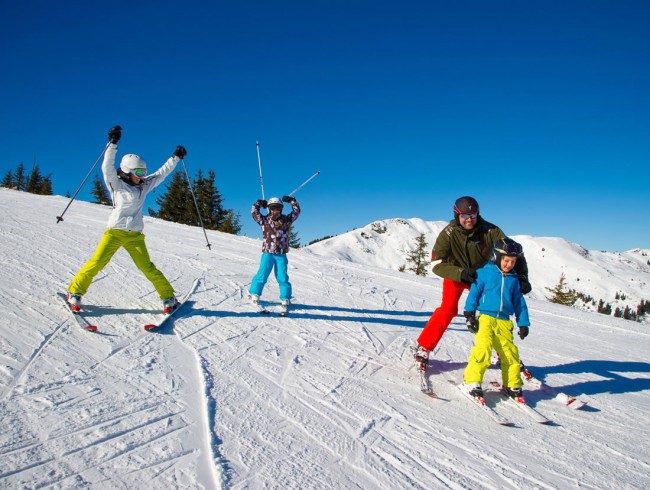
{"x":133,"y":164}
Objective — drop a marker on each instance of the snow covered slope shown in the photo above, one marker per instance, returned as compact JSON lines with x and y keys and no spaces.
{"x":599,"y":274}
{"x":225,"y":398}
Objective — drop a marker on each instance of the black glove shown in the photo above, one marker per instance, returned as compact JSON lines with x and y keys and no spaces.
{"x":289,"y":199}
{"x":524,"y":285}
{"x":523,"y":332}
{"x":180,"y":152}
{"x":114,"y":134}
{"x":468,"y":276}
{"x":261,"y":203}
{"x":470,"y":319}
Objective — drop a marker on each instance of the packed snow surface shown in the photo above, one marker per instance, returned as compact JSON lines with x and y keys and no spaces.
{"x":223,"y":397}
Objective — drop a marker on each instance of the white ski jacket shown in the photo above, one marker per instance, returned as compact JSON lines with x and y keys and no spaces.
{"x":128,"y":200}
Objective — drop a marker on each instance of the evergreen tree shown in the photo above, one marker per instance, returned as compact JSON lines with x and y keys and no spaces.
{"x":209,"y":201}
{"x":176,"y":203}
{"x":35,"y":180}
{"x":8,"y":180}
{"x":100,"y":192}
{"x":46,"y":188}
{"x":20,"y":180}
{"x":561,"y":295}
{"x":418,"y":258}
{"x":232,"y":223}
{"x":294,"y":240}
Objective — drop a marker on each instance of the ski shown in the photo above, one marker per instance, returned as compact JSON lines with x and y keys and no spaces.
{"x":483,"y":406}
{"x":166,"y":316}
{"x":521,"y":404}
{"x":425,"y":385}
{"x":421,"y":368}
{"x":567,"y":400}
{"x":78,"y":317}
{"x":530,"y":380}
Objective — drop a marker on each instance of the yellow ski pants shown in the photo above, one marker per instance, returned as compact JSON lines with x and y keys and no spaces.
{"x":497,"y":333}
{"x":133,"y":243}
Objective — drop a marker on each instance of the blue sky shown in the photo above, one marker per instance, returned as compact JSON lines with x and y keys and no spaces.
{"x":540,"y":110}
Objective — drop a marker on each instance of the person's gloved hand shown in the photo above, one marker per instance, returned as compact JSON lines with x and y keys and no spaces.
{"x":524,"y":285}
{"x":523,"y":332}
{"x":261,"y":203}
{"x":468,"y":276}
{"x":114,"y":134}
{"x":289,"y":199}
{"x":470,"y":319}
{"x":180,"y":152}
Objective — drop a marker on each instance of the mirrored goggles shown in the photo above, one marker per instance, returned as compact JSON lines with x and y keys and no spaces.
{"x":469,"y":216}
{"x":139,"y":172}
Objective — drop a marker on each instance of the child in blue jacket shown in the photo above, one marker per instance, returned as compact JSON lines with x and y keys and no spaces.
{"x":496,"y":294}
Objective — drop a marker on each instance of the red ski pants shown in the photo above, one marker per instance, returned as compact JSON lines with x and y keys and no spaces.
{"x":444,"y":314}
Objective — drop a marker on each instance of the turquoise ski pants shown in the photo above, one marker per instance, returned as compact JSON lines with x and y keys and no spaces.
{"x":270,"y":262}
{"x":133,"y":243}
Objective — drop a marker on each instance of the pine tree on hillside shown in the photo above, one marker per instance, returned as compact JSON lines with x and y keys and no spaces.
{"x":561,"y":294}
{"x":232,"y":223}
{"x":20,"y":180}
{"x":209,"y":201}
{"x":100,"y":192}
{"x":176,"y":204}
{"x":8,"y":180}
{"x":418,"y":258}
{"x":294,"y":240}
{"x":46,"y":188}
{"x":35,"y":180}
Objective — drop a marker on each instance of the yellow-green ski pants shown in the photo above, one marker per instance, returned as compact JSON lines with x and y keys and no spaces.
{"x":497,"y":333}
{"x":133,"y":242}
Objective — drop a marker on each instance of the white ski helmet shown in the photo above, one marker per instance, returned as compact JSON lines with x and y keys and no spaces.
{"x":275,"y":203}
{"x":132,"y":162}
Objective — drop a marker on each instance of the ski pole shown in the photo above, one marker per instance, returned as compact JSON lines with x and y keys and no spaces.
{"x":60,"y":218}
{"x":304,"y":183}
{"x":259,"y":163}
{"x":196,"y":205}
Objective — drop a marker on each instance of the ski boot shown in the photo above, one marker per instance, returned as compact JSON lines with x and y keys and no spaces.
{"x":170,"y":304}
{"x":75,"y":301}
{"x":422,"y":358}
{"x":515,"y":393}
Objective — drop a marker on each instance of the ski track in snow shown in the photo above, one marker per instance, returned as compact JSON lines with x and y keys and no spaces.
{"x":223,"y":397}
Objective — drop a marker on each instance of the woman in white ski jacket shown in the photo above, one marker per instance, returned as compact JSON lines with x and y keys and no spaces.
{"x":128,"y":187}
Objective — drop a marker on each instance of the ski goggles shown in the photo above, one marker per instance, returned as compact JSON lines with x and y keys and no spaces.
{"x":275,"y":207}
{"x":469,"y":216}
{"x":139,"y":172}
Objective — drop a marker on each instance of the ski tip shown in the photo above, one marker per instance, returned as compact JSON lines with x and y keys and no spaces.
{"x":91,"y":328}
{"x":150,"y":326}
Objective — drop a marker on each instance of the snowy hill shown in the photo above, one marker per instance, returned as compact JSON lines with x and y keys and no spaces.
{"x":601,"y":275}
{"x":328,"y":398}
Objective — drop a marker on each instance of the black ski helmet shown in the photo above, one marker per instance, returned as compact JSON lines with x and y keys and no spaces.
{"x":465,"y":205}
{"x":506,"y":247}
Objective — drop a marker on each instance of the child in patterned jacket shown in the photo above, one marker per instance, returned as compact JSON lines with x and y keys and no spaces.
{"x":275,"y":245}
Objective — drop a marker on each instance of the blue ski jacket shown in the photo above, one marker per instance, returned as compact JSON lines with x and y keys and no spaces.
{"x":498,"y":295}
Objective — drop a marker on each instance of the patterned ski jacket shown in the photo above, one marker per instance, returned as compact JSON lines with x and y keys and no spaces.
{"x":457,"y":248}
{"x":128,"y":199}
{"x":275,"y":233}
{"x":498,"y":295}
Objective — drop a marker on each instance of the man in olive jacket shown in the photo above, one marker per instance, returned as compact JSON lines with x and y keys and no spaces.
{"x":465,"y":245}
